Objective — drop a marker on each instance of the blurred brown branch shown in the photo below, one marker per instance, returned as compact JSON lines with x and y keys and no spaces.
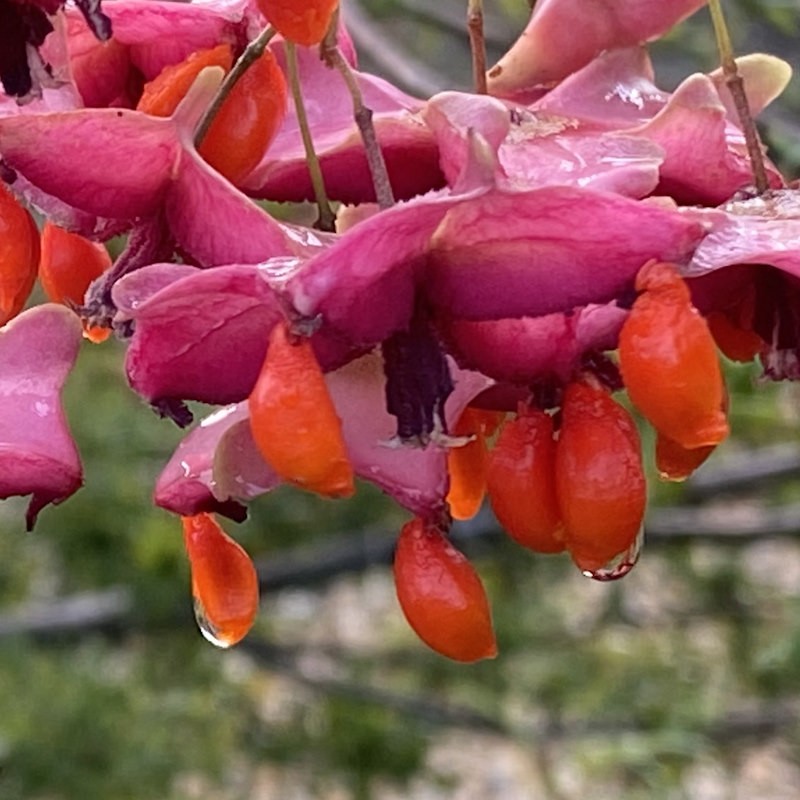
{"x":736,"y":523}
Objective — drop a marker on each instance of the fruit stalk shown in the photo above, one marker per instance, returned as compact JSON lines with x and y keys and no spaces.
{"x":477,"y":45}
{"x":327,"y":219}
{"x":363,"y":117}
{"x":735,"y":84}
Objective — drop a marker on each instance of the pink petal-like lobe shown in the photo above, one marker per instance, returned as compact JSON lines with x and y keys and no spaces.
{"x":564,"y":35}
{"x":37,"y":454}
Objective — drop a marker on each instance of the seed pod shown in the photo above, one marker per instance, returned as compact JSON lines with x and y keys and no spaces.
{"x":441,"y":595}
{"x":600,"y":483}
{"x":19,"y":255}
{"x":669,"y":362}
{"x":467,"y":464}
{"x":293,"y":420}
{"x":248,"y":119}
{"x":303,"y":22}
{"x":521,"y":482}
{"x":68,"y":265}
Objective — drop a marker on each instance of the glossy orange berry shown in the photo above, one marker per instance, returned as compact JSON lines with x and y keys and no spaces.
{"x":67,"y":266}
{"x":19,"y":255}
{"x":293,"y":420}
{"x":669,"y":362}
{"x":736,"y":343}
{"x":248,"y":119}
{"x":466,"y":465}
{"x":161,"y":96}
{"x":600,"y":482}
{"x":441,"y":595}
{"x":677,"y":463}
{"x":304,"y":22}
{"x":224,"y":581}
{"x":521,"y":482}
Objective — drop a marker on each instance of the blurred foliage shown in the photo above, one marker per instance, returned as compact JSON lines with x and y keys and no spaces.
{"x":630,"y":679}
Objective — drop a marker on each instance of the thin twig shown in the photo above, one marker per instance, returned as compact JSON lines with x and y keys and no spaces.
{"x":735,"y":84}
{"x":78,"y":613}
{"x":744,"y":473}
{"x":425,"y":708}
{"x":327,"y":219}
{"x":251,"y":54}
{"x":477,"y":45}
{"x":363,"y":116}
{"x":312,"y":566}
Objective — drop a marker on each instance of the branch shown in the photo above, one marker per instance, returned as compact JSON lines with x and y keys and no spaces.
{"x":769,"y":719}
{"x":355,"y":552}
{"x":477,"y":45}
{"x":330,"y":53}
{"x":425,"y":708}
{"x":747,"y":471}
{"x":74,"y":614}
{"x":735,"y":85}
{"x":313,"y":565}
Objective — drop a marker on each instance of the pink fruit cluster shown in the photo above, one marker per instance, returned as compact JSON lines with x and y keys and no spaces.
{"x":504,"y":276}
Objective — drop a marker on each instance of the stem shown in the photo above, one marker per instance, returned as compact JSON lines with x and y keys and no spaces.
{"x":363,"y":116}
{"x":327,"y":219}
{"x":149,"y":241}
{"x":252,"y":53}
{"x":735,"y":84}
{"x":477,"y":45}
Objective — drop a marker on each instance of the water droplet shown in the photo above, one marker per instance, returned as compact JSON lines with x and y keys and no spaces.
{"x":620,"y":565}
{"x":278,"y":270}
{"x":209,"y":631}
{"x":219,"y":415}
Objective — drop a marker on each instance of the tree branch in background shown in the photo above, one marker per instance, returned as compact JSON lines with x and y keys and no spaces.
{"x":314,"y":565}
{"x":391,"y":59}
{"x":745,"y":472}
{"x":499,"y":32}
{"x":425,"y":708}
